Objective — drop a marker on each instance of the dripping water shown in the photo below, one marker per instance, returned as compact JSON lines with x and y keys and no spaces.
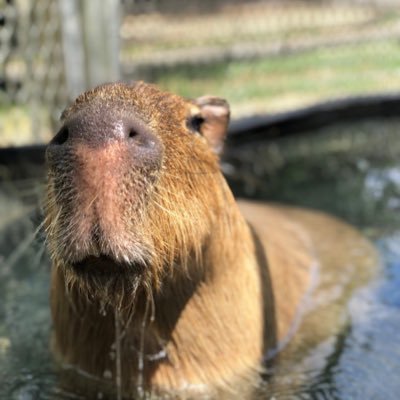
{"x":140,"y":389}
{"x":118,"y":378}
{"x":120,"y":329}
{"x":102,"y":309}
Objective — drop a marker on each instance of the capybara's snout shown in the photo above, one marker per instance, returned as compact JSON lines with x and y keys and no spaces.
{"x":98,"y":127}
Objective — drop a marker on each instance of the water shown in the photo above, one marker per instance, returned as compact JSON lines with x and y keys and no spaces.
{"x":348,"y":170}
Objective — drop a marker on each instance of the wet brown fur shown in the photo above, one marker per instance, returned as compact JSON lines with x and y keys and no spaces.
{"x":210,"y":294}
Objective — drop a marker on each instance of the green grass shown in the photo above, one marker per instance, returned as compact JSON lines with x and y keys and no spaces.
{"x":260,"y":86}
{"x":16,"y":127}
{"x":293,"y":80}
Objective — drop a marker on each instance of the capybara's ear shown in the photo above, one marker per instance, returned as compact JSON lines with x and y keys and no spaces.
{"x":210,"y":117}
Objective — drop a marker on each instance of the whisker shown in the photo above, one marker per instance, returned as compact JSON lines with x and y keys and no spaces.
{"x":19,"y":251}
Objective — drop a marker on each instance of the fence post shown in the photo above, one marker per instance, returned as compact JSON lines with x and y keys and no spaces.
{"x":100,"y":24}
{"x":90,"y":42}
{"x":73,"y":49}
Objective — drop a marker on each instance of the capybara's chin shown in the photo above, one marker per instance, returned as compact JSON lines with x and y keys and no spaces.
{"x":104,"y":265}
{"x":103,"y":269}
{"x":101,"y":279}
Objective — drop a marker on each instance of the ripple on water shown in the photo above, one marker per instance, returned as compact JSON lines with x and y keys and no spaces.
{"x":366,"y":368}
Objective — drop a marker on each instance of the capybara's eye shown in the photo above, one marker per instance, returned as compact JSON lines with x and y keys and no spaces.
{"x":132,"y":133}
{"x":194,"y":123}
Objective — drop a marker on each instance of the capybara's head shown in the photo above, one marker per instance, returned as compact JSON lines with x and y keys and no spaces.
{"x":134,"y":185}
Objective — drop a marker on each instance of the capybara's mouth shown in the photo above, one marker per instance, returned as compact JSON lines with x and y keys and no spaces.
{"x":104,"y":265}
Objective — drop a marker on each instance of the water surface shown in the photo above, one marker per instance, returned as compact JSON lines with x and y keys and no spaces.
{"x":350,"y":171}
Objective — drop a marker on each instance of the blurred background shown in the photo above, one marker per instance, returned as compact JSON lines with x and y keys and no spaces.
{"x":264,"y":56}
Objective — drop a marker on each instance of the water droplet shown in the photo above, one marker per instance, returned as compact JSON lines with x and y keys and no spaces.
{"x":117,"y":346}
{"x":103,"y":308}
{"x":157,"y":356}
{"x":107,"y":374}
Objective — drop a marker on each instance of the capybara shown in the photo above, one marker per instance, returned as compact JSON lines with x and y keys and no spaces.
{"x":161,"y":281}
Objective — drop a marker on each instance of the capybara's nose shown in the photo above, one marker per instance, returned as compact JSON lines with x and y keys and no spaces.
{"x":107,"y":126}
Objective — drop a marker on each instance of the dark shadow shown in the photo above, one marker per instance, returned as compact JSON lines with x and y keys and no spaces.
{"x":269,"y":311}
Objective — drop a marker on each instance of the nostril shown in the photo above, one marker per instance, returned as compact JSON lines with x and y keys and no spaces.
{"x":61,"y":137}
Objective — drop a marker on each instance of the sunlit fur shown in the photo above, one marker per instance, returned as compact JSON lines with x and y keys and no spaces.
{"x":194,"y":297}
